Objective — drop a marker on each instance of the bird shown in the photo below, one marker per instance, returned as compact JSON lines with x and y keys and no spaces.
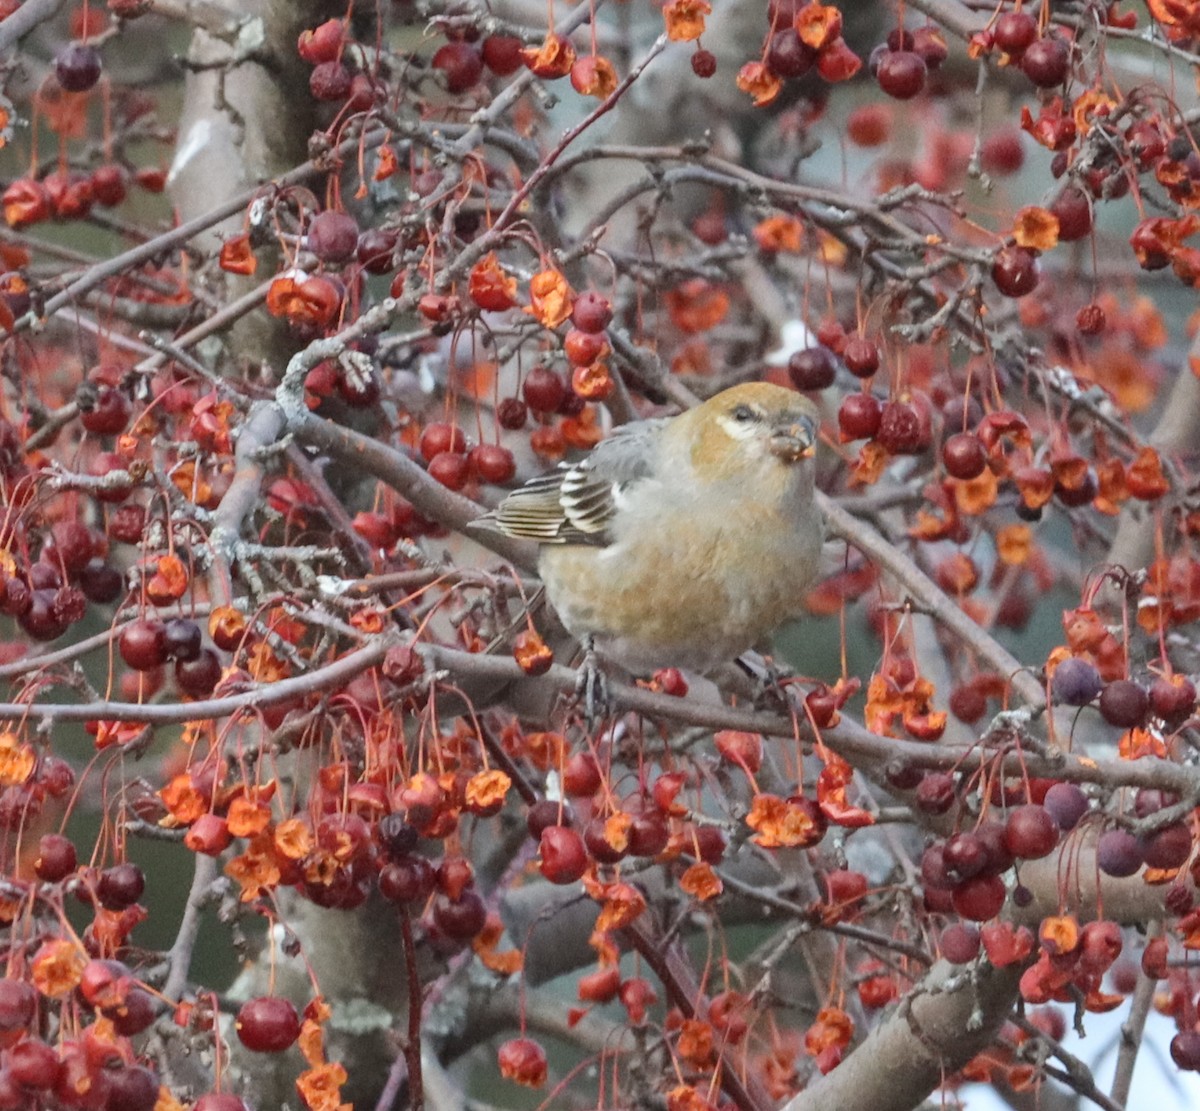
{"x":680,"y":541}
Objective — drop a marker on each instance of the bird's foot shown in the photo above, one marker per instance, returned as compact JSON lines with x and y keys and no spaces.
{"x":770,"y":681}
{"x":591,"y":685}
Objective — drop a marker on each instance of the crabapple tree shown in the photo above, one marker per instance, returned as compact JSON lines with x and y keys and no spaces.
{"x":297,"y":805}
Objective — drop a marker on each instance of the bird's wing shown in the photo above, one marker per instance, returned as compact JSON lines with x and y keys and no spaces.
{"x":575,"y":503}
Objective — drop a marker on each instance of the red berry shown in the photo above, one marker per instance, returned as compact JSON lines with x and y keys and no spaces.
{"x":581,"y":778}
{"x":979,"y":898}
{"x":451,"y":469}
{"x":1014,"y":32}
{"x":407,"y":879}
{"x":1046,"y":62}
{"x":143,"y":644}
{"x":322,"y":43}
{"x":935,"y":793}
{"x":461,"y":63}
{"x":960,"y":943}
{"x":1124,"y":703}
{"x":1118,"y":853}
{"x":461,"y":919}
{"x":502,"y":54}
{"x":1015,"y":271}
{"x":1002,"y":152}
{"x":77,"y":67}
{"x":861,"y":356}
{"x":512,"y":413}
{"x":543,"y":390}
{"x":492,"y":463}
{"x":1185,"y":1050}
{"x":56,"y":858}
{"x":591,"y":313}
{"x":903,"y":428}
{"x":964,"y":456}
{"x":375,"y":250}
{"x":1074,"y":213}
{"x":1075,"y":682}
{"x":704,"y":63}
{"x":813,"y":368}
{"x":1030,"y":832}
{"x":131,"y":1088}
{"x":788,"y":55}
{"x":563,"y":857}
{"x":219,"y":1101}
{"x":901,"y":74}
{"x":120,"y":886}
{"x":197,"y":678}
{"x":1066,"y":804}
{"x":438,"y":437}
{"x":267,"y":1024}
{"x":34,"y":1064}
{"x":859,"y":416}
{"x":330,"y":81}
{"x":333,"y":236}
{"x":109,"y":412}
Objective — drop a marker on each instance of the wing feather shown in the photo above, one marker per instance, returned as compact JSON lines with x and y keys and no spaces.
{"x":575,"y":503}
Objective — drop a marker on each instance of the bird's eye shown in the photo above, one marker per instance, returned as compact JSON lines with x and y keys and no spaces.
{"x":744,"y":413}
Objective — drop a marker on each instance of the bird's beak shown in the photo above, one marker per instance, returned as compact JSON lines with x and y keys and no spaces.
{"x":795,"y":440}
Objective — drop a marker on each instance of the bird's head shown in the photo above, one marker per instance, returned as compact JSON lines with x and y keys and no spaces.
{"x":751,"y":430}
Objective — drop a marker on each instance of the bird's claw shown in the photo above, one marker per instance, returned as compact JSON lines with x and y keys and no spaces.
{"x":591,"y":686}
{"x":769,"y":679}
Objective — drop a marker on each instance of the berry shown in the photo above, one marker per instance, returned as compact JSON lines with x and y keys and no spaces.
{"x":492,"y":463}
{"x":901,"y":74}
{"x":591,"y":313}
{"x":979,"y":898}
{"x":963,"y":456}
{"x":1075,"y":682}
{"x":1074,"y":213}
{"x":120,"y":886}
{"x":1015,"y":32}
{"x":1030,"y":832}
{"x":859,"y":416}
{"x":143,"y":644}
{"x":861,"y":356}
{"x":1124,"y":703}
{"x":1066,"y":804}
{"x":1118,"y":853}
{"x":197,"y":678}
{"x":56,"y":858}
{"x":813,"y":368}
{"x":333,"y":237}
{"x":563,"y":857}
{"x":704,"y":63}
{"x":181,"y":638}
{"x":461,"y":919}
{"x":788,"y":55}
{"x":903,"y":429}
{"x":1015,"y":271}
{"x":267,"y":1024}
{"x":502,"y":54}
{"x":451,"y":469}
{"x":1046,"y":62}
{"x":77,"y":67}
{"x":461,"y":64}
{"x":544,"y":390}
{"x":960,"y":943}
{"x":438,"y":437}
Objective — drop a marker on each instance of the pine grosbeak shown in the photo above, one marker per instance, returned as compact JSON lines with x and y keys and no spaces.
{"x":682,"y":541}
